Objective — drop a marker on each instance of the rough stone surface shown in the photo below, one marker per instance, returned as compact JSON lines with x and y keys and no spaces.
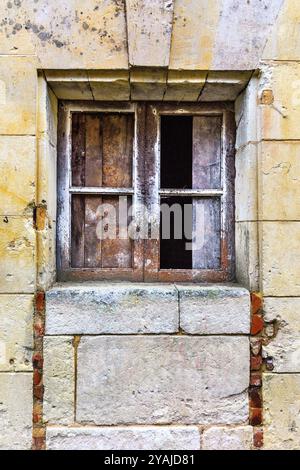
{"x":17,"y":254}
{"x":285,"y":347}
{"x":246,"y":114}
{"x":281,"y":411}
{"x":225,"y":438}
{"x":162,"y":379}
{"x":246,"y":183}
{"x":15,"y":411}
{"x":108,"y":308}
{"x":281,"y":258}
{"x":280,"y":174}
{"x":124,"y":438}
{"x":214,"y":310}
{"x":224,"y":86}
{"x":59,"y":380}
{"x":16,"y":316}
{"x":17,"y":177}
{"x":247,"y":266}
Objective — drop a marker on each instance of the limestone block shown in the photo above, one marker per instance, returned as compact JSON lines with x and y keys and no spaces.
{"x":280,"y":181}
{"x":246,"y":114}
{"x":68,"y":33}
{"x":16,"y":317}
{"x":281,"y":411}
{"x":184,"y":85}
{"x":123,"y":438}
{"x":280,"y":118}
{"x":17,"y":255}
{"x":225,"y":438}
{"x":18,"y":174}
{"x":47,"y":112}
{"x":47,"y":192}
{"x":14,"y":37}
{"x":148,"y":84}
{"x":109,"y":308}
{"x":59,"y":380}
{"x":280,"y":243}
{"x":46,"y":256}
{"x":193,"y":35}
{"x":15,"y":411}
{"x":247,"y":262}
{"x":284,"y":42}
{"x":242,"y":32}
{"x":246,"y":183}
{"x":74,"y":86}
{"x":162,"y":380}
{"x":214,"y":310}
{"x":18,"y":84}
{"x":110,"y":85}
{"x":149,"y":26}
{"x":224,"y":86}
{"x":285,"y":347}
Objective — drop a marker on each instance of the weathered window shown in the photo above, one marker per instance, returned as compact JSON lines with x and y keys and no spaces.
{"x":146,"y":191}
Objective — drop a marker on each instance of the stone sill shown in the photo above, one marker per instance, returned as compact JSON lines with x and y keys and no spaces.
{"x":98,"y":308}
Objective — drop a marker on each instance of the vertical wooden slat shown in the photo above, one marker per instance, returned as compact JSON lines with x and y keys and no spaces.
{"x":207,"y":229}
{"x":77,"y":231}
{"x":92,"y":244}
{"x":78,"y":149}
{"x":93,"y":151}
{"x":116,"y":253}
{"x":207,"y":152}
{"x":117,"y":150}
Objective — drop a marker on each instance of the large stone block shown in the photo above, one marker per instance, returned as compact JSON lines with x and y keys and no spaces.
{"x":17,"y":254}
{"x":15,"y":411}
{"x":246,"y":114}
{"x":47,"y":111}
{"x":247,"y":261}
{"x":18,"y":174}
{"x":280,"y":118}
{"x":59,"y":380}
{"x":124,"y":438}
{"x":162,"y":380}
{"x":281,"y":394}
{"x":280,"y":266}
{"x":214,"y":310}
{"x":109,"y":308}
{"x":279,"y":173}
{"x":285,"y":347}
{"x":149,"y":26}
{"x":16,"y":317}
{"x":224,"y":86}
{"x":246,"y":183}
{"x":225,"y":438}
{"x":18,"y":84}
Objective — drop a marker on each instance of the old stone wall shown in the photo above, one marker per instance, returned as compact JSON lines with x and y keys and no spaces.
{"x":53,"y":49}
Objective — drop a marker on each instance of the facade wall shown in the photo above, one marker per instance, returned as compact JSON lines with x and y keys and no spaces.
{"x":39,"y":36}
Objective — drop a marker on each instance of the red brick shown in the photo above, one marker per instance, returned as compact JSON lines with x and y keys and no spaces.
{"x":255,"y":379}
{"x":40,"y":301}
{"x":257,"y":324}
{"x":255,"y":397}
{"x":258,"y":438}
{"x":38,"y":391}
{"x":37,"y":377}
{"x":256,"y":362}
{"x":255,"y":416}
{"x":39,"y":443}
{"x":256,"y":302}
{"x":37,"y":360}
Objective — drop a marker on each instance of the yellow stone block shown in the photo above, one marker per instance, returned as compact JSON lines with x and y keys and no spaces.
{"x":109,"y":85}
{"x":281,"y":395}
{"x":284,"y":42}
{"x":148,"y":84}
{"x":18,"y":174}
{"x":47,"y":163}
{"x":18,"y":85}
{"x":184,"y":85}
{"x":47,"y":111}
{"x":17,"y":255}
{"x":247,"y":260}
{"x":246,"y":183}
{"x":16,"y":317}
{"x":280,"y":119}
{"x":279,"y":175}
{"x":280,"y":258}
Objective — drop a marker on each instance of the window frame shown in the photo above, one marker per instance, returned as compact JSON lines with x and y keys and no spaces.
{"x":146,"y":190}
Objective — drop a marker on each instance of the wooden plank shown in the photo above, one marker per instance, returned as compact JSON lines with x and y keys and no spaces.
{"x":78,"y":149}
{"x":77,"y":231}
{"x":93,"y":151}
{"x":116,"y":253}
{"x":207,"y":231}
{"x":92,"y":244}
{"x":118,"y":131}
{"x":207,"y":152}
